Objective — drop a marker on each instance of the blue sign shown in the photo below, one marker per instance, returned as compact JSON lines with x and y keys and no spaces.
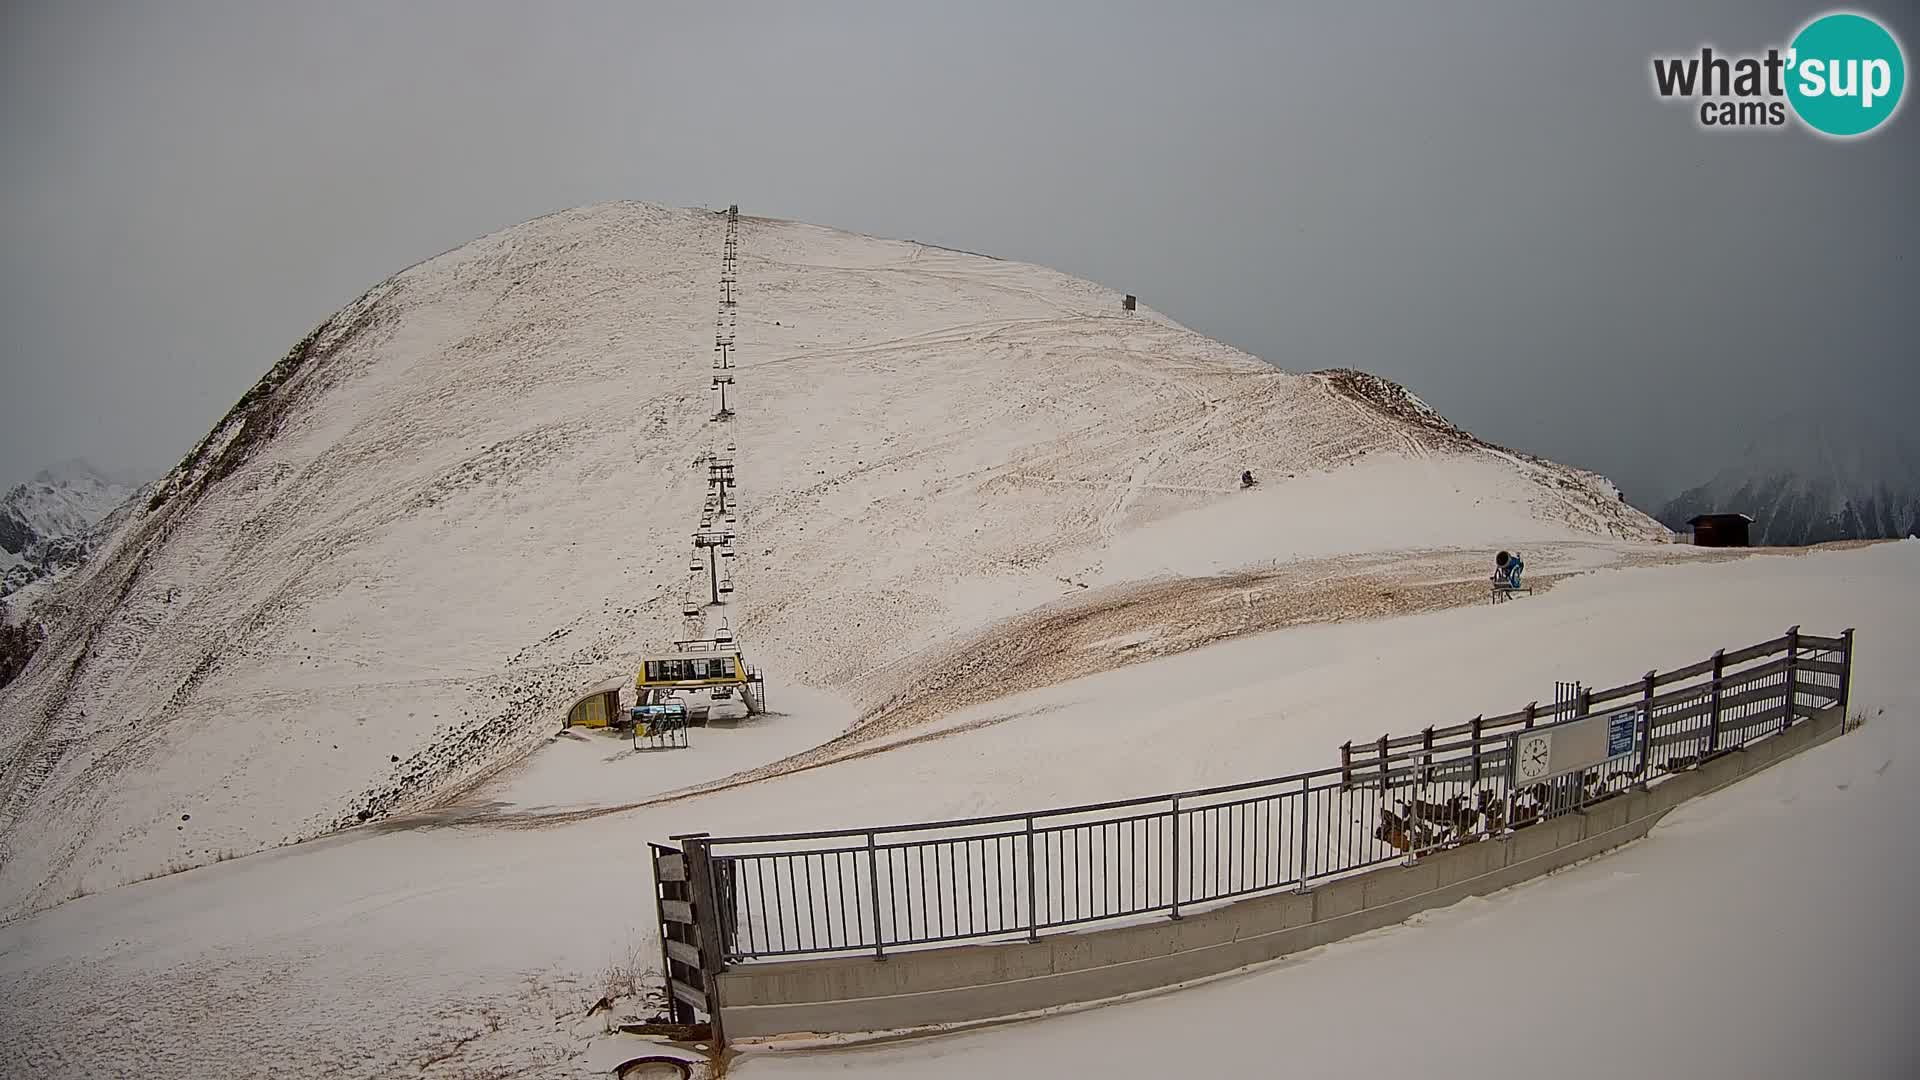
{"x":1621,"y":727}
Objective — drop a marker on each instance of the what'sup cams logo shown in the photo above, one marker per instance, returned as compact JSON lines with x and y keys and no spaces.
{"x":1842,"y":76}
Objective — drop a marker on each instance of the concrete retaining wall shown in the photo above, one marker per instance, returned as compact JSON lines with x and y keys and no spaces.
{"x":978,"y":982}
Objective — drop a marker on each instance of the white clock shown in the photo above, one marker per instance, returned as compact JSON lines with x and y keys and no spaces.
{"x":1534,"y":756}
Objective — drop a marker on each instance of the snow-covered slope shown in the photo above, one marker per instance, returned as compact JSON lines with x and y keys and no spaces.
{"x":465,"y":498}
{"x":1814,"y":477}
{"x":50,"y":523}
{"x":444,"y":953}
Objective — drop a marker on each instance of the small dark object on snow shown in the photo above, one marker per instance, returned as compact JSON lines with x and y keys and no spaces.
{"x":363,"y":815}
{"x":186,"y":817}
{"x":393,"y":757}
{"x":1246,"y":478}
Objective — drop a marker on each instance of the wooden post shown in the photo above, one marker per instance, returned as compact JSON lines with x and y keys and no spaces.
{"x":706,"y":917}
{"x":1531,"y":705}
{"x":681,"y":1012}
{"x":1346,"y":765}
{"x":1713,"y":718}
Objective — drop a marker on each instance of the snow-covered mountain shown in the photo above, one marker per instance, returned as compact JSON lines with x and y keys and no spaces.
{"x":50,"y":523}
{"x":465,"y":498}
{"x":1813,"y":478}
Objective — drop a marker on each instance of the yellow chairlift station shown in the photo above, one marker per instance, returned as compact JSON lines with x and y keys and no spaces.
{"x":699,"y":665}
{"x":691,"y":669}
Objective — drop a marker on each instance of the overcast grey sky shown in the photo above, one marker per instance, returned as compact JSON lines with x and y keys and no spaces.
{"x":1484,"y":201}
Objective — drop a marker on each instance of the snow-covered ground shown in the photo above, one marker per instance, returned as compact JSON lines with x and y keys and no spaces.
{"x":581,"y":768}
{"x":1763,"y":932}
{"x":376,"y":951}
{"x":466,"y":499}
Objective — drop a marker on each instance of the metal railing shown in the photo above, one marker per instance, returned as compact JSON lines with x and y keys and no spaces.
{"x":1011,"y":875}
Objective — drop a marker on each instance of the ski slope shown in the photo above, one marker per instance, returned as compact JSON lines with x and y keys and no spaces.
{"x":464,"y":499}
{"x":1756,"y":931}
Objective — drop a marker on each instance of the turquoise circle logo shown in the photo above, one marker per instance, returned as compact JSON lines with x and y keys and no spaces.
{"x":1846,"y":74}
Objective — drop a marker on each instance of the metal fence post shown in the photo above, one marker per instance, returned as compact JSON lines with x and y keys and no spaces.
{"x":1513,"y":775}
{"x":1306,"y":790}
{"x":1419,"y":793}
{"x":1476,"y":747}
{"x":1173,"y":872}
{"x":1383,"y":764}
{"x":1646,"y":731}
{"x":1846,"y":676}
{"x":1713,"y":717}
{"x":873,"y":875}
{"x":1582,"y":706}
{"x":1426,"y":747}
{"x":1346,"y":765}
{"x":1033,"y":909}
{"x":1793,"y":675}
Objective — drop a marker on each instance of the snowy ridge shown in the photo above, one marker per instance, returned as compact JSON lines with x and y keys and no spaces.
{"x":1585,"y":499}
{"x":463,"y":500}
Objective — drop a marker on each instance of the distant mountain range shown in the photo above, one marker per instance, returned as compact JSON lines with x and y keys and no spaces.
{"x":50,"y":524}
{"x":1816,"y":478}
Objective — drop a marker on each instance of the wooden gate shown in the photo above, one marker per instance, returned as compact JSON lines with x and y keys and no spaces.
{"x":691,"y":950}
